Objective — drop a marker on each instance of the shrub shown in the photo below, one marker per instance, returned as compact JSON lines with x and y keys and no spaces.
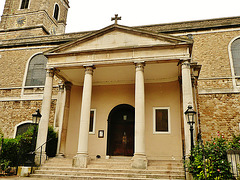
{"x":10,"y":151}
{"x":16,"y":151}
{"x":235,"y":144}
{"x":51,"y":146}
{"x":210,"y":161}
{"x":1,"y":133}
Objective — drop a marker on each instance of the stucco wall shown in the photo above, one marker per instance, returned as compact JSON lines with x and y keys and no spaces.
{"x":105,"y":98}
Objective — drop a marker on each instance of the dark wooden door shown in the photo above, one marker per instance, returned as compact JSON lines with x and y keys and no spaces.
{"x":121,"y":131}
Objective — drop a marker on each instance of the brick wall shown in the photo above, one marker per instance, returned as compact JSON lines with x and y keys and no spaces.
{"x":219,"y":112}
{"x":12,"y":112}
{"x":14,"y":63}
{"x":40,"y":8}
{"x":211,"y":51}
{"x":15,"y":112}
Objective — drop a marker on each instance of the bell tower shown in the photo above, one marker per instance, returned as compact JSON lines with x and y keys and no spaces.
{"x":24,"y":18}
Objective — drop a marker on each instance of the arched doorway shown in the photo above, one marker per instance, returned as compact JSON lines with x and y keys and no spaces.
{"x":121,"y":131}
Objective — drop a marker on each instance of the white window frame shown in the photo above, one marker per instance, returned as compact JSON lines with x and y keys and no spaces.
{"x":237,"y":87}
{"x":19,"y":124}
{"x":94,"y":121}
{"x":154,"y":121}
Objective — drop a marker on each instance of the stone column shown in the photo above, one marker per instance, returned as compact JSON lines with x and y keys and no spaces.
{"x":64,"y":124}
{"x":187,"y":95}
{"x":81,"y":159}
{"x":43,"y":125}
{"x":59,"y":107}
{"x":139,"y":160}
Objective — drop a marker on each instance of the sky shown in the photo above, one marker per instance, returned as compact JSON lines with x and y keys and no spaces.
{"x":86,"y":15}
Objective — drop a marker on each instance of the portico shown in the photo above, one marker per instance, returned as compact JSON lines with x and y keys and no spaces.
{"x":121,"y":65}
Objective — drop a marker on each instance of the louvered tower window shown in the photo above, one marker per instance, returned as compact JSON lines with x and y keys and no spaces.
{"x":36,"y":74}
{"x":24,"y":4}
{"x":235,"y":48}
{"x":56,"y":12}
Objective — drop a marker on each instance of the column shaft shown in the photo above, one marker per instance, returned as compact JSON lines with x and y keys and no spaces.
{"x":187,"y":94}
{"x":59,"y":112}
{"x":81,"y":159}
{"x":139,"y":111}
{"x":46,"y":108}
{"x":139,"y":159}
{"x":64,"y":124}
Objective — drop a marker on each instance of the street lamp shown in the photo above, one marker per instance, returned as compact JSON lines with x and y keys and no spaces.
{"x":190,"y":113}
{"x":35,"y":121}
{"x":36,"y":117}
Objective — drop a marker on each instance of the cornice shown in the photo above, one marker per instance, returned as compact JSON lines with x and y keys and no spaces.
{"x":197,"y":25}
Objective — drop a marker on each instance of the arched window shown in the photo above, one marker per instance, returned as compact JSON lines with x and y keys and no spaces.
{"x":56,"y":12}
{"x":36,"y":74}
{"x":24,"y":4}
{"x":22,"y":128}
{"x":235,"y":49}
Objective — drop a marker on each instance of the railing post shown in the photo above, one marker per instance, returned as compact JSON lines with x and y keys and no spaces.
{"x":184,"y":158}
{"x":1,"y":146}
{"x":40,"y":156}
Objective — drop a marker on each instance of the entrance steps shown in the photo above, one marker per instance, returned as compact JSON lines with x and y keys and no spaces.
{"x":109,"y":169}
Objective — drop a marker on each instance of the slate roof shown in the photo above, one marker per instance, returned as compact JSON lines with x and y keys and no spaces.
{"x":169,"y":28}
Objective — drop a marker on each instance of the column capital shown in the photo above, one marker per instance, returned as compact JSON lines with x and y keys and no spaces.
{"x":50,"y":72}
{"x":68,"y":85}
{"x":139,"y":66}
{"x":186,"y":64}
{"x":60,"y":86}
{"x":89,"y":69}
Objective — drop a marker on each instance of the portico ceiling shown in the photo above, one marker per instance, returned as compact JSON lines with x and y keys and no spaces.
{"x":123,"y":74}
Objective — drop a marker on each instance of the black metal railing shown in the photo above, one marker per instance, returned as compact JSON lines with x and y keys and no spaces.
{"x":32,"y":155}
{"x":184,"y":158}
{"x":1,"y":147}
{"x":41,"y":151}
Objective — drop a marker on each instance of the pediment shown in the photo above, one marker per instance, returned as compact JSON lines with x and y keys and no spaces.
{"x":117,"y":37}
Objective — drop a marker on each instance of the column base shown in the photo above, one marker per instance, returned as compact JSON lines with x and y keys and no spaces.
{"x":80,"y":160}
{"x":139,"y":161}
{"x":40,"y":158}
{"x":60,"y":155}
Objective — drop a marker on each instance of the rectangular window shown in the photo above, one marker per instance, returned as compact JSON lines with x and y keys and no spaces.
{"x":92,"y":121}
{"x":161,"y":120}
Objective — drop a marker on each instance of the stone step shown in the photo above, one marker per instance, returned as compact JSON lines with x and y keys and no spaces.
{"x":158,"y":163}
{"x":56,"y":176}
{"x":109,"y":174}
{"x":111,"y":162}
{"x":61,"y":177}
{"x":116,"y":168}
{"x":87,"y":170}
{"x":128,"y":166}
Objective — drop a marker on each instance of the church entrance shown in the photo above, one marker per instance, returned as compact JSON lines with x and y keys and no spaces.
{"x":121,"y":131}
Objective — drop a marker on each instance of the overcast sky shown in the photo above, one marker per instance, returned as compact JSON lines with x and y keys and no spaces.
{"x":96,"y":14}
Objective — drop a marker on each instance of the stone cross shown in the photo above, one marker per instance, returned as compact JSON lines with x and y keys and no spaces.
{"x":116,"y":18}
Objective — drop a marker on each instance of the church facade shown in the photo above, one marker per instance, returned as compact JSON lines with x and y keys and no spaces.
{"x":117,"y":91}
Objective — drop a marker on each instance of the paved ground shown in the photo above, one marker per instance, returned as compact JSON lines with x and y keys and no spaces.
{"x":19,"y":178}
